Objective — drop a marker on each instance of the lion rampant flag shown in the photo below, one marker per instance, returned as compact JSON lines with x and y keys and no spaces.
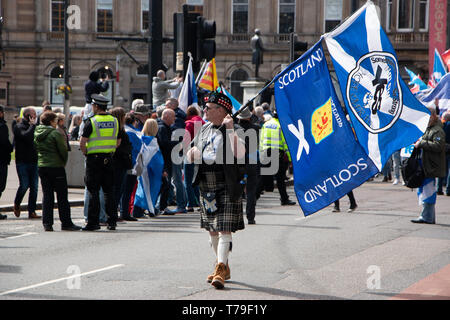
{"x":209,"y":79}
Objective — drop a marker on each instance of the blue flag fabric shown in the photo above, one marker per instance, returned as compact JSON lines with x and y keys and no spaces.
{"x":327,"y":160}
{"x":438,"y":68}
{"x":149,"y":168}
{"x":441,"y":92}
{"x":385,"y":114}
{"x":415,"y":80}
{"x":236,"y":104}
{"x":188,"y":94}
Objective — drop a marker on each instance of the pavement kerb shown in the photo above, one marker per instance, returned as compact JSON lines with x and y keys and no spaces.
{"x":23,"y":207}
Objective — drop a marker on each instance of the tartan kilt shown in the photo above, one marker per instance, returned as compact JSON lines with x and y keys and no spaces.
{"x":229,"y":215}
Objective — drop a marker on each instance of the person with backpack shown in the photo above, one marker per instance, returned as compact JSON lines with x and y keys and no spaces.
{"x":432,"y":148}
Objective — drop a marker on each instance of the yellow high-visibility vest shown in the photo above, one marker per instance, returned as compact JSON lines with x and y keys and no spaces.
{"x":103,"y":138}
{"x":271,"y":136}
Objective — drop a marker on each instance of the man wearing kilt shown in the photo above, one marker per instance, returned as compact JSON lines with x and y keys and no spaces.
{"x":219,"y":156}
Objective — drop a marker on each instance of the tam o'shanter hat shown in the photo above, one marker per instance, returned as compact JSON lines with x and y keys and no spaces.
{"x":221,"y":100}
{"x":100,"y":100}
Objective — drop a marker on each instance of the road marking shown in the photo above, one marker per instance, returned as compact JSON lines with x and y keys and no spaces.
{"x":19,"y":236}
{"x":59,"y":280}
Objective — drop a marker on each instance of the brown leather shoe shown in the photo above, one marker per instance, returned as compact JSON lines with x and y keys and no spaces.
{"x":33,"y":215}
{"x":219,"y":278}
{"x":210,"y":278}
{"x":17,"y":210}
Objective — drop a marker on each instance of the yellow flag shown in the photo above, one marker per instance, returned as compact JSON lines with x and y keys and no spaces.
{"x":322,"y":122}
{"x":209,"y":79}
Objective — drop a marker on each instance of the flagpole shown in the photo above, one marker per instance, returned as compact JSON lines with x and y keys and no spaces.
{"x":200,"y":74}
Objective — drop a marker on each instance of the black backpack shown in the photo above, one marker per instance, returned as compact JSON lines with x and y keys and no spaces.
{"x":412,"y":170}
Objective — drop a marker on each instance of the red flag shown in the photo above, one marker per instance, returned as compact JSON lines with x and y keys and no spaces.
{"x":446,"y":58}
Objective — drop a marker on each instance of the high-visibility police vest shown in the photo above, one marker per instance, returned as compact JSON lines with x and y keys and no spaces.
{"x":103,"y":138}
{"x":271,"y":136}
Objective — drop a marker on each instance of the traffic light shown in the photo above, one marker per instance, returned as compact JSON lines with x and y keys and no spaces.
{"x":296,"y":47}
{"x":206,"y":45}
{"x":185,"y":38}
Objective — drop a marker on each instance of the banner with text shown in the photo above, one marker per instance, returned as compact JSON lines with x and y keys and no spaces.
{"x":327,"y":160}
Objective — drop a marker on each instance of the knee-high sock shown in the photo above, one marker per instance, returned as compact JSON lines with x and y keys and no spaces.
{"x":214,"y":241}
{"x":223,"y":248}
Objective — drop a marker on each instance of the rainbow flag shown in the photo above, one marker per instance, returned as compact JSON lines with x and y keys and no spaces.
{"x":209,"y":78}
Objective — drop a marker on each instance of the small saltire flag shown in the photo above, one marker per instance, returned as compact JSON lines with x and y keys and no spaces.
{"x":441,"y":92}
{"x":438,"y":68}
{"x":209,"y":79}
{"x":416,"y":81}
{"x":188,"y":94}
{"x":385,"y":114}
{"x":236,"y":104}
{"x":316,"y":130}
{"x":149,"y":169}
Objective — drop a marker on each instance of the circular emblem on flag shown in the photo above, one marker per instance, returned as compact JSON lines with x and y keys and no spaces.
{"x":373,"y":91}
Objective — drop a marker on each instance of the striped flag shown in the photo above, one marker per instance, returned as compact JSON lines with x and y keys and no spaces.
{"x":385,"y":114}
{"x":209,"y":79}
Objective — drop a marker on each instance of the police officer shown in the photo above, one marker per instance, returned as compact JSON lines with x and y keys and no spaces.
{"x":98,"y":143}
{"x":272,"y":143}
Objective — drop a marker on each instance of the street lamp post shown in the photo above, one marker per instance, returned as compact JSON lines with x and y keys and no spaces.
{"x":66,"y":62}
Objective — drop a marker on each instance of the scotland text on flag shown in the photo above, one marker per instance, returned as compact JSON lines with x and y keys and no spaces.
{"x":316,"y":130}
{"x":385,"y":114}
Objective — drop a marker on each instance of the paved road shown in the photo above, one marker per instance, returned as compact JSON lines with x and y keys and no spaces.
{"x":373,"y":253}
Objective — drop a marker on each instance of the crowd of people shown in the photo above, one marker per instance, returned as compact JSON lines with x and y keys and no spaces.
{"x":110,"y":141}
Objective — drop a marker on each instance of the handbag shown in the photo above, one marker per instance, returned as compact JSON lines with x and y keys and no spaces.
{"x":412,"y":170}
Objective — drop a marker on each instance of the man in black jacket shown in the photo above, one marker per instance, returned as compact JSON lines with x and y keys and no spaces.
{"x":166,"y":145}
{"x":5,"y":153}
{"x":26,"y":162}
{"x":251,"y":161}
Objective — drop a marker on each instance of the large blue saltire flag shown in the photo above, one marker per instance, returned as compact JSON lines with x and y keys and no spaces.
{"x":188,"y":94}
{"x":416,"y":81}
{"x":438,"y":69}
{"x":441,"y":92}
{"x":327,"y":160}
{"x":149,"y":168}
{"x":385,"y":114}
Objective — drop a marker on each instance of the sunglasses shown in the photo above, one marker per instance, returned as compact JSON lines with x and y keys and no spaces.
{"x":209,"y":108}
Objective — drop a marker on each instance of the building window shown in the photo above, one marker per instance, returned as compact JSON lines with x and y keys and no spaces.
{"x":104,"y":15}
{"x":286,"y":17}
{"x":56,"y":79}
{"x":388,"y":15}
{"x":237,"y":77}
{"x":57,"y":15}
{"x":145,"y":15}
{"x":423,"y":15}
{"x":240,"y":16}
{"x":333,"y":14}
{"x":405,"y":15}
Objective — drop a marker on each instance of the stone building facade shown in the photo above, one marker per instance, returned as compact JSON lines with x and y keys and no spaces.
{"x":33,"y":41}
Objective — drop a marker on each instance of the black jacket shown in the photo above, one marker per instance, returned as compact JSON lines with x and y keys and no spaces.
{"x":5,"y":145}
{"x":24,"y":142}
{"x":234,"y":172}
{"x":91,"y":87}
{"x":166,"y":144}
